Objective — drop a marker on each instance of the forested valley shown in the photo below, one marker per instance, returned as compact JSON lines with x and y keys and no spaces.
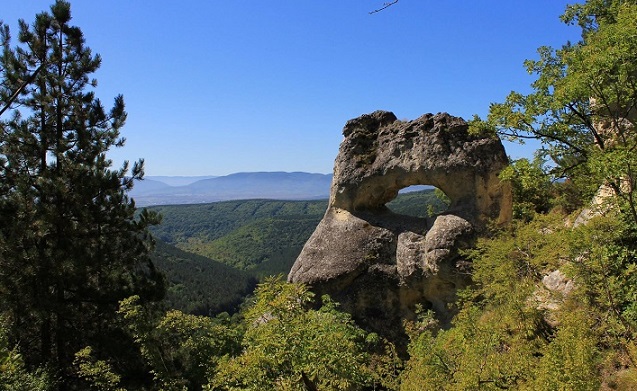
{"x":98,"y":295}
{"x":214,"y":254}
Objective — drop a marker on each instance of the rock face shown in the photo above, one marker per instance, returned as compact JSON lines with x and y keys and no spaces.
{"x":379,"y":264}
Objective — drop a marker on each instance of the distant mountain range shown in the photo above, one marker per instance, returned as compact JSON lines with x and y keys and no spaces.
{"x":180,"y":180}
{"x":164,"y":190}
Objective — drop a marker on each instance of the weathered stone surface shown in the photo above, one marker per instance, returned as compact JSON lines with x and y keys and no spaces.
{"x":556,"y":281}
{"x":598,"y":207}
{"x":379,"y":264}
{"x":550,"y":296}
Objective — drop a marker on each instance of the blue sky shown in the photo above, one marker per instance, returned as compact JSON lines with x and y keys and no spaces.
{"x":216,"y":87}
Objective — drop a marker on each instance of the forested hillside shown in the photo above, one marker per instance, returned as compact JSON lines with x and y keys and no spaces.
{"x":199,"y":285}
{"x":263,"y":237}
{"x":552,"y":304}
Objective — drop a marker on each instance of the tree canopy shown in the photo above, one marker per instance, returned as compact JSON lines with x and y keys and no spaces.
{"x":70,"y":245}
{"x":583,"y":107}
{"x":553,"y":300}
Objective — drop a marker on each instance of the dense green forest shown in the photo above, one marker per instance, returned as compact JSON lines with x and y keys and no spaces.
{"x":199,"y":285}
{"x":225,"y":247}
{"x":553,"y":304}
{"x":263,"y":237}
{"x":242,"y":234}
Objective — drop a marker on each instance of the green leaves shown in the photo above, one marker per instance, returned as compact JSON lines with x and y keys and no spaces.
{"x":531,"y":187}
{"x":571,"y":359}
{"x":584,"y":96}
{"x":13,"y":372}
{"x":98,"y":373}
{"x":501,"y":338}
{"x":482,"y":351}
{"x":583,"y":108}
{"x":289,"y":346}
{"x":606,"y":263}
{"x":182,"y":350}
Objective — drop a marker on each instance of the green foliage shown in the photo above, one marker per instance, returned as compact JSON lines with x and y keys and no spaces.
{"x":583,"y":102}
{"x":500,"y":339}
{"x":70,"y":244}
{"x":215,"y":220}
{"x":13,"y":374}
{"x":571,"y":359}
{"x":606,"y":254}
{"x":497,"y":336}
{"x":98,"y":374}
{"x":257,"y":242}
{"x":424,"y":203}
{"x":200,"y":285}
{"x":72,"y":247}
{"x":583,"y":109}
{"x":516,"y":258}
{"x":280,"y":341}
{"x":263,"y":237}
{"x":484,"y":350}
{"x":182,"y":350}
{"x":288,"y":346}
{"x":530,"y":185}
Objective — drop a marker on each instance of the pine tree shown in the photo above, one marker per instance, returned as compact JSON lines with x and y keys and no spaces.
{"x":71,"y":245}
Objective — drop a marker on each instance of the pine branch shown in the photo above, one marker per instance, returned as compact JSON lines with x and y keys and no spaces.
{"x":22,"y":87}
{"x":385,"y":6}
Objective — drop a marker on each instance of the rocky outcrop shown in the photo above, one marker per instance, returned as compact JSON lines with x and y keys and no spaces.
{"x":378,"y":264}
{"x":551,"y":295}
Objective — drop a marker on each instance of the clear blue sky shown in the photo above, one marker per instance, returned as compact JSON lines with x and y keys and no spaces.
{"x":215,"y":87}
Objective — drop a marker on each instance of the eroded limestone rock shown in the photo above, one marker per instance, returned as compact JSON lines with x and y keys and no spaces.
{"x":379,"y":264}
{"x":551,"y":295}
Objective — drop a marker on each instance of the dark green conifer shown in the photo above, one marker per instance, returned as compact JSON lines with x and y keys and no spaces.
{"x":70,"y":245}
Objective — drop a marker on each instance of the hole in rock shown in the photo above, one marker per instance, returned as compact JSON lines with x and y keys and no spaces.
{"x":419,"y":201}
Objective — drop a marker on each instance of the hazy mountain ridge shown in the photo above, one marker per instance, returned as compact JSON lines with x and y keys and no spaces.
{"x":178,"y":180}
{"x":246,"y":185}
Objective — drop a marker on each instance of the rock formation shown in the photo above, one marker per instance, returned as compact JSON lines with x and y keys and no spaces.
{"x":379,"y":264}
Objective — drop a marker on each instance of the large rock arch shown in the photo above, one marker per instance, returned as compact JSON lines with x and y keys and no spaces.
{"x":378,"y":264}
